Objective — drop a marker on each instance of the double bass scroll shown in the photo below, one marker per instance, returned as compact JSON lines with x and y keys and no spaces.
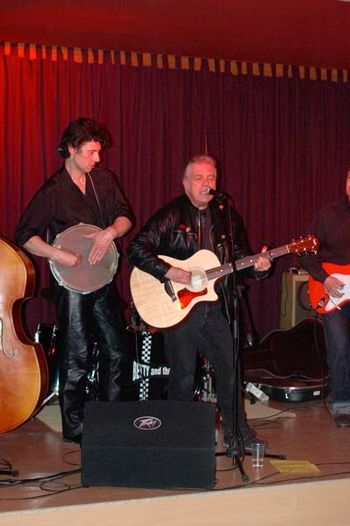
{"x":23,"y":367}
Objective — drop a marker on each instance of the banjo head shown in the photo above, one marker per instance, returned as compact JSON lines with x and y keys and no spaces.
{"x":84,"y":278}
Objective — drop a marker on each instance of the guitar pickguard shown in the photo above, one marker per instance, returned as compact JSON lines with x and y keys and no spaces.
{"x":319,"y":299}
{"x":186,"y":296}
{"x":336,"y":303}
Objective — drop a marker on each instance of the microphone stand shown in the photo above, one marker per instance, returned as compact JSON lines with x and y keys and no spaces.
{"x":235,"y":451}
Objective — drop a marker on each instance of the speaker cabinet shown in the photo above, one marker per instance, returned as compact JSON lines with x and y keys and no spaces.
{"x":295,"y":304}
{"x":150,"y":444}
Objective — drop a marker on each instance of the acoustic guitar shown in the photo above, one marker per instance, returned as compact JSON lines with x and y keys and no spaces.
{"x":320,"y":300}
{"x":163,"y":305}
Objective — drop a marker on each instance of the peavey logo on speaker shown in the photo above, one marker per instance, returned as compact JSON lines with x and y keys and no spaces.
{"x":147,"y":423}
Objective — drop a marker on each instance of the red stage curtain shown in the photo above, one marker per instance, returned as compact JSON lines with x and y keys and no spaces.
{"x":281,"y":139}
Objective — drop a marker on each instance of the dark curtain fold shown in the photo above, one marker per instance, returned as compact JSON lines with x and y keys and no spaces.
{"x":282,"y":143}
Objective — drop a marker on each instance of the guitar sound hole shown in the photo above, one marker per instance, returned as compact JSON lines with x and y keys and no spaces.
{"x":199,"y":279}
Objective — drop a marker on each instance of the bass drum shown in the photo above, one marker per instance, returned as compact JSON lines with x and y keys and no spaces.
{"x":84,"y":278}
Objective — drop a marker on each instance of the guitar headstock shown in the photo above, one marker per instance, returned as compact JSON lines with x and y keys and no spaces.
{"x":303,"y":245}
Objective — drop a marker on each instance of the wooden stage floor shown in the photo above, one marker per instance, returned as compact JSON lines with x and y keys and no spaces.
{"x":49,"y":469}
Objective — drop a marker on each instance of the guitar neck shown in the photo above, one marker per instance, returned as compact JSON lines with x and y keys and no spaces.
{"x":249,"y":261}
{"x":245,"y":262}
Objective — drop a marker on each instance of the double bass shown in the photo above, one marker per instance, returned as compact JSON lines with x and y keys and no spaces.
{"x":23,"y":366}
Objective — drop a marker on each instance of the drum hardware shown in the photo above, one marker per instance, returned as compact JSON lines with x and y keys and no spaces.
{"x":92,"y":381}
{"x":84,"y":278}
{"x":205,"y":389}
{"x":46,"y":335}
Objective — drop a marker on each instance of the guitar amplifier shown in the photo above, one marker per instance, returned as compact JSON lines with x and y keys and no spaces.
{"x":295,"y":304}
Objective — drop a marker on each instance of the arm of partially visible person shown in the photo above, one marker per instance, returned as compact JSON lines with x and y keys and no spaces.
{"x":312,"y":262}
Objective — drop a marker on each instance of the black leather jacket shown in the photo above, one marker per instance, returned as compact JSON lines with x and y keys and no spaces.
{"x":174,"y":231}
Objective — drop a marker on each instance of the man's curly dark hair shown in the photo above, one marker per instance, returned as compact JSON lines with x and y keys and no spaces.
{"x":81,"y":131}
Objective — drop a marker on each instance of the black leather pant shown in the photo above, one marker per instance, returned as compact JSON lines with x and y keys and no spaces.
{"x":83,"y":319}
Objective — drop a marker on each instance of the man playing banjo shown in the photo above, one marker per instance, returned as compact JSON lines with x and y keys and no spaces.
{"x":80,"y":192}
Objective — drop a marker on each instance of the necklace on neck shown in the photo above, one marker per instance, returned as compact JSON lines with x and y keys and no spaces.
{"x":81,"y":183}
{"x":78,"y":180}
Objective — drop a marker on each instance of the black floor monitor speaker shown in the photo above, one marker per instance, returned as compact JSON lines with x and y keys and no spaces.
{"x":149,"y":444}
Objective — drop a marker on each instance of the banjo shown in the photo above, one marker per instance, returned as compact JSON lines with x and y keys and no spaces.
{"x":84,"y":278}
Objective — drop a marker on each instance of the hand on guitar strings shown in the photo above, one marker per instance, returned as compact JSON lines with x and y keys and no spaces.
{"x":333,"y":286}
{"x":263,"y":262}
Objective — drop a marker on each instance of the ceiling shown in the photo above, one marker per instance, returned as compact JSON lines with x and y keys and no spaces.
{"x":299,"y":32}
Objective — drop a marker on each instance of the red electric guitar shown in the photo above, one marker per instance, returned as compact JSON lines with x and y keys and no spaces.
{"x":319,"y":299}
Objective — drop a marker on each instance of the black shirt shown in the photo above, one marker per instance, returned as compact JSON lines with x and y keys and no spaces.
{"x":332,"y":226}
{"x":59,"y":204}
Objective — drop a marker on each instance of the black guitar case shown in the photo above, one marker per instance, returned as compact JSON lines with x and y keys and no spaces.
{"x":289,"y":365}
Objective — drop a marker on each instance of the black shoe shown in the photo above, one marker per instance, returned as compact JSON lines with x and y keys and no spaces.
{"x":247,"y":435}
{"x":342,"y":419}
{"x":228,"y":439}
{"x":75,"y":439}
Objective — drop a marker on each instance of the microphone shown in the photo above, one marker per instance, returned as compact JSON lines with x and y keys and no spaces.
{"x":210,"y":191}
